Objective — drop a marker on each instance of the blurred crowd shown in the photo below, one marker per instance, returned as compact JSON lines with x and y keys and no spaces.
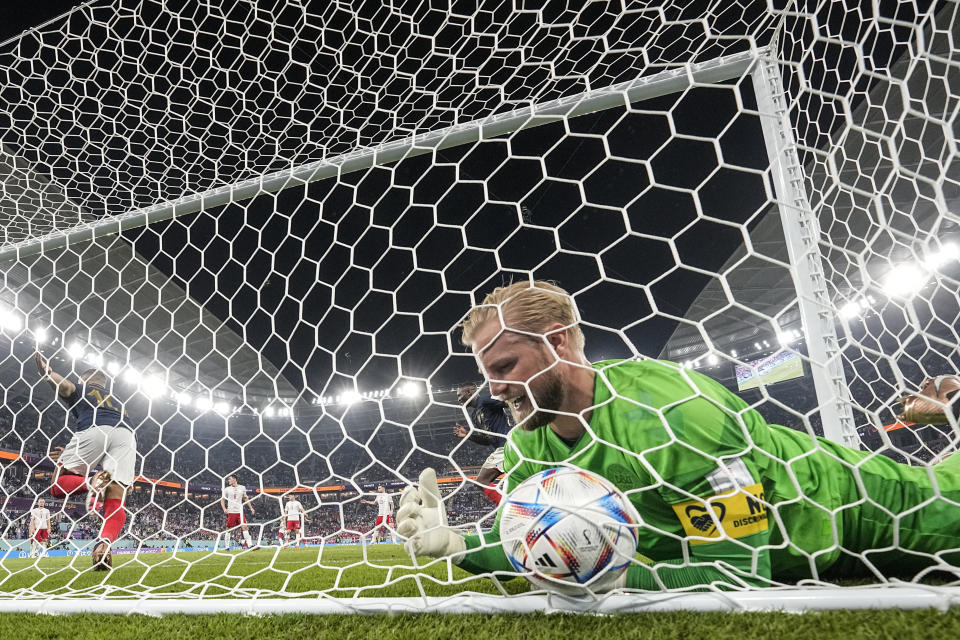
{"x":331,"y":478}
{"x":331,"y":470}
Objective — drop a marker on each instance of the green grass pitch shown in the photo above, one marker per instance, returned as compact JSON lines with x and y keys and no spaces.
{"x":382,"y":570}
{"x":378,"y":571}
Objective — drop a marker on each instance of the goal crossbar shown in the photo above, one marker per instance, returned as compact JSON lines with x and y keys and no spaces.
{"x":642,"y":88}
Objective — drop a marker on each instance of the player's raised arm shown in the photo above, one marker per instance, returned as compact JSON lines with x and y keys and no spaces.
{"x":61,"y":385}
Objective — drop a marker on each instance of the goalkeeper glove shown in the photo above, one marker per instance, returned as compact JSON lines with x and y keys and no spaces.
{"x":422,"y":520}
{"x":931,"y":403}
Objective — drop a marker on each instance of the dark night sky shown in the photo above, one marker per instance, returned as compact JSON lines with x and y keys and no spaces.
{"x":17,"y":16}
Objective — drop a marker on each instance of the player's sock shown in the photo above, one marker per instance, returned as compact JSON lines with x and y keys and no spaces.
{"x":68,"y":483}
{"x":115,"y":517}
{"x":246,"y":538}
{"x":492,"y":494}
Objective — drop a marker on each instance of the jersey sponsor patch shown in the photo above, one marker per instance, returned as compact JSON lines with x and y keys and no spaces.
{"x":734,"y":515}
{"x":731,"y":475}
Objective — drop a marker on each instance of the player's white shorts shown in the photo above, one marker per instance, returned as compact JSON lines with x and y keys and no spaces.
{"x":495,"y":460}
{"x":112,"y":448}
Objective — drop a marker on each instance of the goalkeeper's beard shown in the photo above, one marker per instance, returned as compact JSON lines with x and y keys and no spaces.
{"x":547,"y":388}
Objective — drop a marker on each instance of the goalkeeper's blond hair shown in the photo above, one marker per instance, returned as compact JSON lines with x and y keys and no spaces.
{"x":526,"y":306}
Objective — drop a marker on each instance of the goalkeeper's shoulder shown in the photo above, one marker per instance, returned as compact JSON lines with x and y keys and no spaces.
{"x":658,"y":383}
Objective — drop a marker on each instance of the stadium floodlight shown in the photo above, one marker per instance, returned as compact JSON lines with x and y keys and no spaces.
{"x":222,"y":408}
{"x":411,"y":389}
{"x":93,"y":358}
{"x":113,"y":367}
{"x":733,"y":353}
{"x":41,"y":335}
{"x":152,"y":386}
{"x":850,"y":310}
{"x":203,"y":403}
{"x":712,"y":359}
{"x":10,"y":320}
{"x":131,"y":375}
{"x":904,"y":279}
{"x":269,"y":412}
{"x":76,"y":350}
{"x":183,"y":398}
{"x":948,"y":252}
{"x":349,"y":397}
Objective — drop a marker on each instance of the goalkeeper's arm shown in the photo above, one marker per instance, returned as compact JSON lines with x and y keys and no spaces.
{"x":423,"y":521}
{"x":721,"y":563}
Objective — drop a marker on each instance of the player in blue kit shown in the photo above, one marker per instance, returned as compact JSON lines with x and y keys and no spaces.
{"x":100,"y":439}
{"x":491,"y":426}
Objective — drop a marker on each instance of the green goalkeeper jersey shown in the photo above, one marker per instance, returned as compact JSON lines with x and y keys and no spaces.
{"x":725,"y":497}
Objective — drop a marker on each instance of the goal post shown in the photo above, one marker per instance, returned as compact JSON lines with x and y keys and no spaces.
{"x":801,"y":232}
{"x":266,"y":225}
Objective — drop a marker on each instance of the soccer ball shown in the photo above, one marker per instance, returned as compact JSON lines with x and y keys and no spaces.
{"x":569,"y":530}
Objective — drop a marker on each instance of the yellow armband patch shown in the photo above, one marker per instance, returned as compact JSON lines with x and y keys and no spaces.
{"x":731,"y":515}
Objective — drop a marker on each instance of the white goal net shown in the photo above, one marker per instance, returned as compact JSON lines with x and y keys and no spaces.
{"x":264,"y":223}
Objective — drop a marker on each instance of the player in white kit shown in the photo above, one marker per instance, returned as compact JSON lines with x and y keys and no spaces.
{"x":232,"y":501}
{"x":384,"y":502}
{"x":39,"y":529}
{"x":293,"y":515}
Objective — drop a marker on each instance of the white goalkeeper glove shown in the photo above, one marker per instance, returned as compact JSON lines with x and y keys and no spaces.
{"x":422,"y":520}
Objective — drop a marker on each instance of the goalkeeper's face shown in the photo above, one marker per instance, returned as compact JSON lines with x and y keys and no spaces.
{"x":524,"y":373}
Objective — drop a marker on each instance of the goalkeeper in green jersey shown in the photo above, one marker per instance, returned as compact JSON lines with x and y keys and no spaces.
{"x":724,"y":498}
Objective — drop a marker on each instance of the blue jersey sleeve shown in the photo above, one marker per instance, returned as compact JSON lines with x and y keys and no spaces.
{"x":491,"y":415}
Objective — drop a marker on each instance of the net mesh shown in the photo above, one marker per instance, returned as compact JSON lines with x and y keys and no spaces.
{"x":302,"y":336}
